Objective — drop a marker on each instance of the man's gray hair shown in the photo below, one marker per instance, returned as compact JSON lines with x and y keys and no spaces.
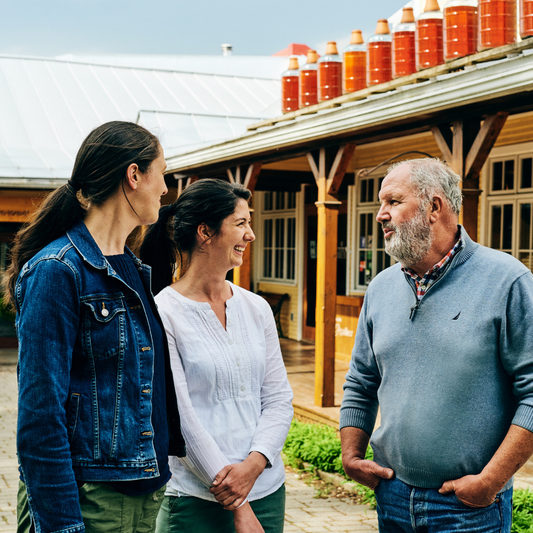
{"x":431,"y":177}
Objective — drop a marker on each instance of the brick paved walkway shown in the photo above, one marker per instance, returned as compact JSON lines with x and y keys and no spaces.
{"x":8,"y":458}
{"x":305,"y":513}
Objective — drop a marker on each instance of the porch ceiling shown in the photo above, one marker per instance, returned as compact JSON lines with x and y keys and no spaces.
{"x":503,"y":85}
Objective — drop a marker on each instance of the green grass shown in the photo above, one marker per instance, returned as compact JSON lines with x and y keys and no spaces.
{"x":522,"y":511}
{"x":320,"y":446}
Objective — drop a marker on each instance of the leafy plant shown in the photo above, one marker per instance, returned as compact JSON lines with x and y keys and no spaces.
{"x":320,"y":446}
{"x":522,"y":511}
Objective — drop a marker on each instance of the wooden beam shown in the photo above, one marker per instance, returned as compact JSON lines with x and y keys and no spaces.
{"x":443,"y":138}
{"x":230,"y":176}
{"x":328,"y":182}
{"x":339,"y":167}
{"x":457,"y":161}
{"x":483,"y":143}
{"x":466,"y":150}
{"x":238,"y":174}
{"x":191,"y":180}
{"x":322,"y":163}
{"x":252,"y":176}
{"x":242,"y":276}
{"x":313,"y":166}
{"x":336,"y":162}
{"x":326,"y":296}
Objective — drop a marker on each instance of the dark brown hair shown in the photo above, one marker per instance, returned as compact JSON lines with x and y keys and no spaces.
{"x":207,"y":201}
{"x":99,"y":170}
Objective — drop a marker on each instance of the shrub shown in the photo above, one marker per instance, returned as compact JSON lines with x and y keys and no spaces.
{"x":320,"y":446}
{"x":522,"y":511}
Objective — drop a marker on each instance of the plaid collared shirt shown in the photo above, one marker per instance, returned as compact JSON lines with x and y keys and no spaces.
{"x":434,"y":273}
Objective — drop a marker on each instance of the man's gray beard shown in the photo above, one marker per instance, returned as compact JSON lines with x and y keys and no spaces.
{"x":411,"y":240}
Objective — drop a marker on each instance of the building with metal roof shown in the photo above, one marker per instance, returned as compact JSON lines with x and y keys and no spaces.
{"x":48,"y":106}
{"x":316,"y":193}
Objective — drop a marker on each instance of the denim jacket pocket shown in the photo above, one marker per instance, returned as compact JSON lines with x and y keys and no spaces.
{"x":104,"y":326}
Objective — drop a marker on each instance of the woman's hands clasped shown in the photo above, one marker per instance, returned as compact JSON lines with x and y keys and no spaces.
{"x":234,"y":482}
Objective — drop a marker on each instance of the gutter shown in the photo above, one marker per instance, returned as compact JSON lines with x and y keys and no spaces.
{"x":483,"y":83}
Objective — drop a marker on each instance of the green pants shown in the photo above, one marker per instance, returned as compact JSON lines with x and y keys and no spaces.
{"x":104,"y":509}
{"x":187,"y":514}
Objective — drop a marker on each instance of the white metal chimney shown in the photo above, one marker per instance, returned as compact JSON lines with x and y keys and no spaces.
{"x":226,"y":49}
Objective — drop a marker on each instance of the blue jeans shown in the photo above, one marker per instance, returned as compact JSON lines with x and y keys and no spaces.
{"x":402,"y":508}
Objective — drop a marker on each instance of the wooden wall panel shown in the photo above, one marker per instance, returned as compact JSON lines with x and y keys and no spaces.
{"x":517,"y":129}
{"x":290,"y":327}
{"x":370,"y":155}
{"x":348,"y":311}
{"x":18,"y":207}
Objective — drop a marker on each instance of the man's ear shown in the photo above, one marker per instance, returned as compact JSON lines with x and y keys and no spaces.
{"x":436,"y":207}
{"x":132,"y":176}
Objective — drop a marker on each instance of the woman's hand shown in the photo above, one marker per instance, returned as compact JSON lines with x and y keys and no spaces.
{"x":246,"y":521}
{"x":234,"y":482}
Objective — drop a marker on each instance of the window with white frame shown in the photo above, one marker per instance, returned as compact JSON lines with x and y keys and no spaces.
{"x":278,"y":219}
{"x":369,"y":245}
{"x":509,"y":206}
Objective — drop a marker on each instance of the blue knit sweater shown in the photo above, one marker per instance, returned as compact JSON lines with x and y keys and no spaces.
{"x":450,"y":377}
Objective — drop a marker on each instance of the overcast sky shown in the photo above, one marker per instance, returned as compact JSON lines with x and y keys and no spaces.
{"x":253,"y":27}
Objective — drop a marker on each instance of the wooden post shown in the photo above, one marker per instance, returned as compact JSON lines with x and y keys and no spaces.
{"x":466,"y":149}
{"x":328,"y":182}
{"x":242,"y":275}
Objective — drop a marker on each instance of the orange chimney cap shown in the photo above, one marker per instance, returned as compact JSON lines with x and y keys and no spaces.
{"x":331,"y":49}
{"x":383,"y":27}
{"x":293,"y":63}
{"x":431,"y":5}
{"x":357,"y":37}
{"x":312,"y":56}
{"x":407,"y":15}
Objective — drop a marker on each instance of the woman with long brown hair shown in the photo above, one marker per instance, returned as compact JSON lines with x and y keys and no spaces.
{"x":97,"y":406}
{"x":232,"y":387}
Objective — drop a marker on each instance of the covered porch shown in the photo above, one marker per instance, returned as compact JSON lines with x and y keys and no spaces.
{"x":299,"y":358}
{"x":459,"y":108}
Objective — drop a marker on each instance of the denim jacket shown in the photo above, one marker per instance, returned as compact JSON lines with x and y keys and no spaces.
{"x":85,"y":377}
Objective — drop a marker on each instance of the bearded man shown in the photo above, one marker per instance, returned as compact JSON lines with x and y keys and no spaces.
{"x":444,"y":346}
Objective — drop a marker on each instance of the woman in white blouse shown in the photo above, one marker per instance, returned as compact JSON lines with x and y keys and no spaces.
{"x":233,"y":394}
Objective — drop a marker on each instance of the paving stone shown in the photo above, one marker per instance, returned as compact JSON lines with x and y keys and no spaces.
{"x":304,"y":512}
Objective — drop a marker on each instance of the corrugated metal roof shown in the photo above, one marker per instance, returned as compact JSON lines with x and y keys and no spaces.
{"x":269,"y":67}
{"x":48,"y":106}
{"x":181,"y":132}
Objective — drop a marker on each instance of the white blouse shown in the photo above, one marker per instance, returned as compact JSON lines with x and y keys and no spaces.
{"x":233,"y":393}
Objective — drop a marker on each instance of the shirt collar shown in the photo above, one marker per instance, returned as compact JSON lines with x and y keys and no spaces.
{"x":438,"y":269}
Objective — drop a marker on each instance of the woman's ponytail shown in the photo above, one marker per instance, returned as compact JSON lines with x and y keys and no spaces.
{"x":100,"y":168}
{"x":58,"y":212}
{"x":159,"y":250}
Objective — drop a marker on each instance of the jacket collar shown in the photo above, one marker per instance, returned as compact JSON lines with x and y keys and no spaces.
{"x":86,"y":246}
{"x":468,"y":250}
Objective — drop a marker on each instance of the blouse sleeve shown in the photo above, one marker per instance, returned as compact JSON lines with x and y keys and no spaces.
{"x":204,"y":458}
{"x":276,"y":396}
